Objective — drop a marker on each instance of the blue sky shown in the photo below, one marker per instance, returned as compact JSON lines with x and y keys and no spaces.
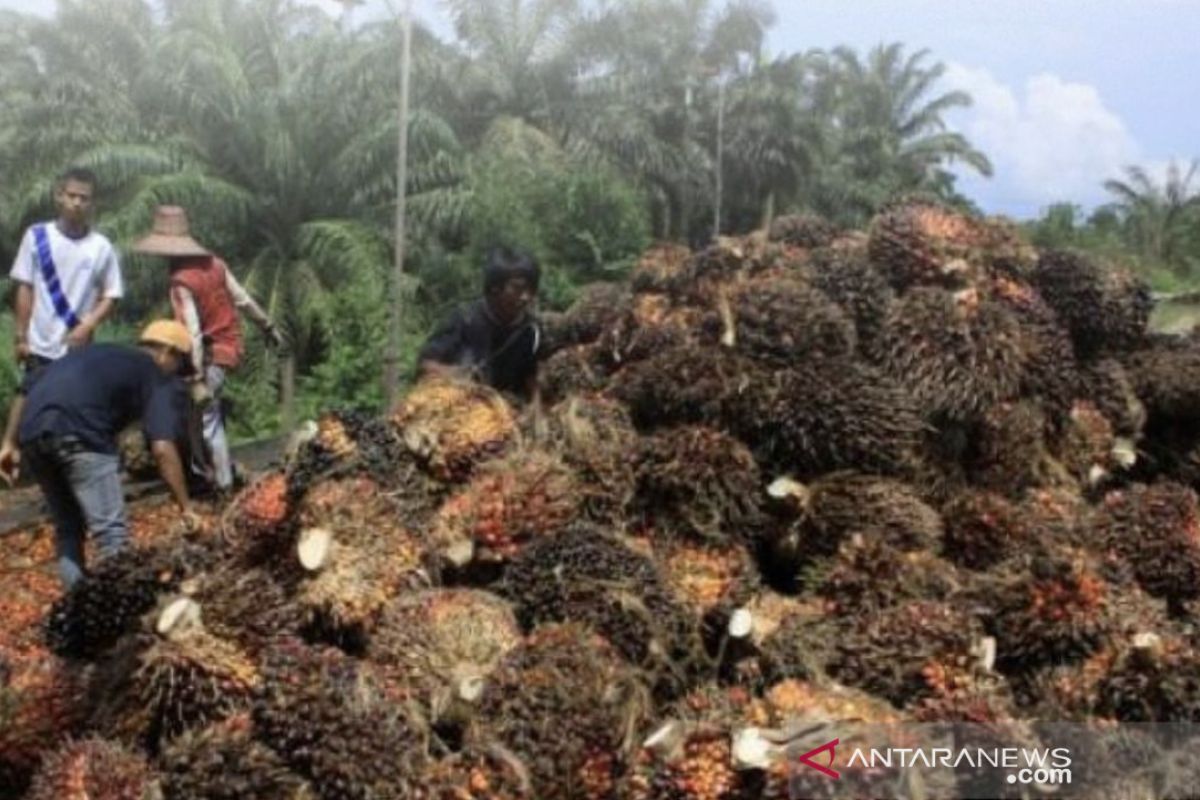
{"x":1067,"y":91}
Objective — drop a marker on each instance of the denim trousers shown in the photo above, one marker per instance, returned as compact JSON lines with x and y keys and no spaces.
{"x":83,"y":490}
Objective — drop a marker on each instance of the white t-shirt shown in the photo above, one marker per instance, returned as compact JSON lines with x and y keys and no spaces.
{"x":87,"y":269}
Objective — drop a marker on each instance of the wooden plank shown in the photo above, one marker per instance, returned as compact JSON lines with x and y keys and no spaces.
{"x":24,"y":506}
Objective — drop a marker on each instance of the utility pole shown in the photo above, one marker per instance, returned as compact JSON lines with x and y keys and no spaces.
{"x":685,"y":205}
{"x":720,"y":155}
{"x":391,"y":377}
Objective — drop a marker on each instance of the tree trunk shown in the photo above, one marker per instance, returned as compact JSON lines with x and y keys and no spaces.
{"x":287,"y":392}
{"x":768,"y":211}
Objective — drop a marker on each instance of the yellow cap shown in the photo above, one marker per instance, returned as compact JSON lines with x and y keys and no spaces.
{"x":168,"y":332}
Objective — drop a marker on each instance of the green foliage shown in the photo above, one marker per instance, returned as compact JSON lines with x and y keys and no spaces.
{"x":582,"y":224}
{"x":576,"y":131}
{"x":10,"y":376}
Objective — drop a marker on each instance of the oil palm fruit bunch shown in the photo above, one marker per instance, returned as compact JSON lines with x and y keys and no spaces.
{"x":1087,"y":445}
{"x":246,"y":605}
{"x":802,"y":230}
{"x":923,"y":243}
{"x":1156,"y":529}
{"x":890,"y":654}
{"x":258,"y":515}
{"x":353,"y":508}
{"x":225,"y":762}
{"x":91,"y":769}
{"x":780,"y":321}
{"x":328,"y":716}
{"x":648,"y":326}
{"x":1010,"y":453}
{"x":594,"y":435}
{"x":475,"y":773}
{"x":707,"y":271}
{"x":1108,"y":385}
{"x":572,"y":371}
{"x":958,"y":353}
{"x":659,"y":267}
{"x":41,"y":703}
{"x":158,"y":686}
{"x":441,"y":645}
{"x":983,"y":529}
{"x":525,"y":497}
{"x":714,"y":582}
{"x":564,"y":704}
{"x":595,"y":309}
{"x":800,"y":645}
{"x":972,"y":694}
{"x":1104,"y":308}
{"x":1057,"y":517}
{"x":746,"y":659}
{"x":108,"y":602}
{"x":1005,"y":251}
{"x":804,"y":716}
{"x":586,"y":575}
{"x":824,"y":416}
{"x":1057,"y":610}
{"x":690,"y":760}
{"x":1165,"y":377}
{"x":452,"y":425}
{"x":869,"y":574}
{"x":849,"y":279}
{"x":348,"y":580}
{"x":1051,"y":375}
{"x":689,"y":384}
{"x":823,"y":514}
{"x":1154,"y":679}
{"x":698,"y":483}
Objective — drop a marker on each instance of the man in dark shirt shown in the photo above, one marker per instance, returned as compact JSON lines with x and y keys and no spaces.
{"x":496,"y":339}
{"x":64,"y":424}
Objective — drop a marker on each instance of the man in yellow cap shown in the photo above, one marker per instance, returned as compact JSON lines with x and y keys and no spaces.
{"x":63,"y":426}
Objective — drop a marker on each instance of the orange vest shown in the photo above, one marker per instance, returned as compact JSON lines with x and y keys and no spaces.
{"x":204,"y":277}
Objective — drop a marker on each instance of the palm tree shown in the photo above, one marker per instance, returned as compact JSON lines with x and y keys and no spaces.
{"x":646,"y":94}
{"x":769,"y":142}
{"x":1160,"y":220}
{"x":517,"y":61}
{"x":887,"y":134}
{"x":280,"y":102}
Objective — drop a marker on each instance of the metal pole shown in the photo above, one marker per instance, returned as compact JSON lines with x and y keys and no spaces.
{"x":720,"y":155}
{"x":392,"y":361}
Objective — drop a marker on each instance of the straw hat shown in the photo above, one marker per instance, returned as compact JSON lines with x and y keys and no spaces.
{"x":169,"y":236}
{"x":167,"y":332}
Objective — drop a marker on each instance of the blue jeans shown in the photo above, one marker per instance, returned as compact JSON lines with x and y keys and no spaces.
{"x":83,"y":490}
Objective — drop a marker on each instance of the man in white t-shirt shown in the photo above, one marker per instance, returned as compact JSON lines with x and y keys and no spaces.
{"x":67,"y":275}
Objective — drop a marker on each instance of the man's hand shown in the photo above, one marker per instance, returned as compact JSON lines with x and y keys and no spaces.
{"x":201,"y":396}
{"x":10,"y":464}
{"x":21,"y":349}
{"x":273,"y":336}
{"x":79,"y":336}
{"x":190,"y":522}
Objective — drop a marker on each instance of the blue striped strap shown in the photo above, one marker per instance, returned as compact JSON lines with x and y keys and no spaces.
{"x":50,"y":276}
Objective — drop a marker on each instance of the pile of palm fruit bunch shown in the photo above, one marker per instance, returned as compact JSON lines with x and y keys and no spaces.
{"x":786,"y":484}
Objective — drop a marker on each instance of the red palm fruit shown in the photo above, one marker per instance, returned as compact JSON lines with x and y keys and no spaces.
{"x":454,"y":424}
{"x":91,"y":769}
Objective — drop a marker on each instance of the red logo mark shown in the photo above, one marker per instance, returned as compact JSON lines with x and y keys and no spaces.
{"x":807,"y":759}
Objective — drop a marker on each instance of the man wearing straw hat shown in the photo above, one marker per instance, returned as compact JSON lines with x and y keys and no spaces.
{"x":63,"y":426}
{"x":67,"y":276}
{"x":206,"y":299}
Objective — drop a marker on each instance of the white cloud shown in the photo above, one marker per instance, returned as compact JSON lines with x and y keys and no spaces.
{"x":1054,"y":141}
